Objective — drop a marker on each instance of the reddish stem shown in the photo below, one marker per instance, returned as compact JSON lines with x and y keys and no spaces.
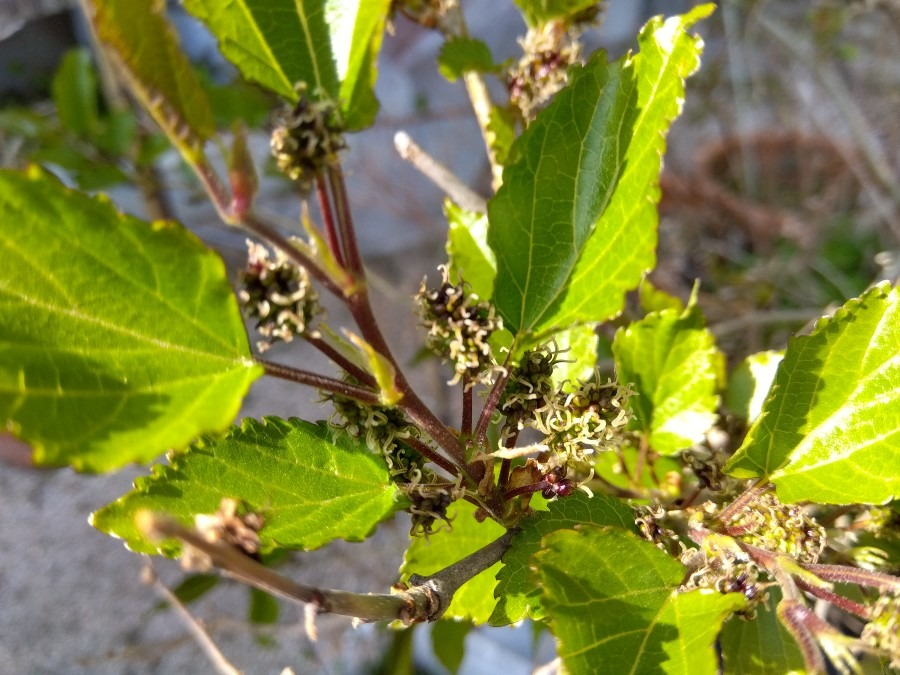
{"x":320,"y":382}
{"x":331,"y":235}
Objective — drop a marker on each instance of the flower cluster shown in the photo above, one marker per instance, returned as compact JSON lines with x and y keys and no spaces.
{"x":883,"y":630}
{"x":307,"y":138}
{"x":785,"y":528}
{"x":721,"y":565}
{"x":459,"y":326}
{"x":278,"y":294}
{"x":429,"y":505}
{"x":581,"y":422}
{"x":548,"y":51}
{"x":530,"y":388}
{"x":383,"y":430}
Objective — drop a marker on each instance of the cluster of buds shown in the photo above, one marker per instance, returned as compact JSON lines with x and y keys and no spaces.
{"x":650,"y":521}
{"x":429,"y":505}
{"x":278,"y":294}
{"x":582,"y":422}
{"x":547,"y":53}
{"x":227,"y":525}
{"x":459,"y":327}
{"x":383,"y":429}
{"x":783,"y":528}
{"x":883,"y":630}
{"x":529,"y":389}
{"x":721,"y":565}
{"x":307,"y":138}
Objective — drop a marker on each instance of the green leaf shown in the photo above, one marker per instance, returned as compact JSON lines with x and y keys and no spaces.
{"x":672,"y":360}
{"x":762,"y":646}
{"x":579,"y":353}
{"x":568,"y":163}
{"x":74,"y":91}
{"x":310,"y":487}
{"x":656,"y":477}
{"x":474,"y":600}
{"x":614,"y":606}
{"x":460,"y":55}
{"x":517,"y":596}
{"x":470,"y":256}
{"x":750,"y":382}
{"x":331,"y":45}
{"x":501,"y":133}
{"x":537,"y":12}
{"x":195,"y":586}
{"x":264,"y":608}
{"x":448,"y":639}
{"x":622,"y":246}
{"x":144,"y":45}
{"x":829,"y":431}
{"x":357,"y":27}
{"x":119,"y":339}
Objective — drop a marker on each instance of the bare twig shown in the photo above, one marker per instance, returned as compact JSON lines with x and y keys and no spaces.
{"x":206,"y":643}
{"x":425,"y":600}
{"x":440,"y":175}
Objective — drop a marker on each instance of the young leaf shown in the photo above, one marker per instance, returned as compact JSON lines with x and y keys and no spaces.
{"x":537,"y":12}
{"x":331,"y":45}
{"x":474,"y":600}
{"x":75,"y":93}
{"x":517,"y":597}
{"x":470,"y":256}
{"x":144,"y":45}
{"x":121,"y":339}
{"x":622,"y":246}
{"x":448,"y":639}
{"x":750,"y":383}
{"x":614,"y":607}
{"x":309,"y":486}
{"x":567,"y":165}
{"x":762,"y":646}
{"x":464,"y":54}
{"x":829,"y":431}
{"x":672,"y":360}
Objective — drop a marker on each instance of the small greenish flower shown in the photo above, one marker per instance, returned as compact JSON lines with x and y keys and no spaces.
{"x":784,"y":528}
{"x":459,"y":327}
{"x":307,"y":138}
{"x":530,"y":388}
{"x":278,"y":293}
{"x":547,"y":52}
{"x":383,"y":429}
{"x":582,"y":422}
{"x":883,"y":630}
{"x":429,"y":504}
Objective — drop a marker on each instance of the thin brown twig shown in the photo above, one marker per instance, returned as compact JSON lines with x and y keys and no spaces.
{"x":321,"y":382}
{"x":209,"y":647}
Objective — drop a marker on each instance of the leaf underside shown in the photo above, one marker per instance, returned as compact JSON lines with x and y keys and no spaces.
{"x":120,"y":339}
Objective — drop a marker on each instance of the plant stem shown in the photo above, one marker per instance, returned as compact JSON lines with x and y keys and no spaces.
{"x":465,"y":427}
{"x":453,"y":24}
{"x":742,"y":501}
{"x":854,"y":575}
{"x":320,"y":382}
{"x":345,"y":230}
{"x":490,"y":404}
{"x":431,"y":455}
{"x":840,"y":601}
{"x":440,"y":175}
{"x":331,"y":235}
{"x":426,"y":599}
{"x":209,"y":647}
{"x":340,"y":360}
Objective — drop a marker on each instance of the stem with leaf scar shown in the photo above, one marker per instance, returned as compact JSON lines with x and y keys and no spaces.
{"x":426,"y":598}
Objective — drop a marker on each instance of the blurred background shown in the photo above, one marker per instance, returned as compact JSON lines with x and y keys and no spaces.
{"x":780,"y":192}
